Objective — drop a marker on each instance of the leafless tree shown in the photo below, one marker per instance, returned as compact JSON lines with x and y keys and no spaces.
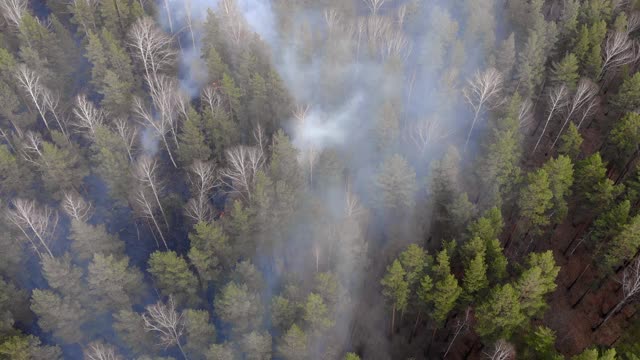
{"x":147,"y":208}
{"x":203,"y":180}
{"x":31,"y":149}
{"x":585,"y":93}
{"x":481,"y":93}
{"x":502,"y":350}
{"x":395,"y":45}
{"x":424,"y":133}
{"x":189,"y":20}
{"x":557,"y":100}
{"x":88,"y":117}
{"x":164,"y":320}
{"x":127,"y":133}
{"x":633,"y":23}
{"x":402,"y":14}
{"x":167,"y":100}
{"x":243,"y":164}
{"x":211,"y":97}
{"x":630,"y":290}
{"x":37,"y":223}
{"x":462,"y":325}
{"x":233,"y":21}
{"x":76,"y":207}
{"x":146,"y":172}
{"x":51,"y":101}
{"x":619,"y":50}
{"x":160,"y":127}
{"x":153,"y":48}
{"x":12,"y":11}
{"x":525,"y":113}
{"x":352,"y":204}
{"x":589,"y":110}
{"x":99,"y":351}
{"x":30,"y":82}
{"x":374,"y":5}
{"x":332,"y":19}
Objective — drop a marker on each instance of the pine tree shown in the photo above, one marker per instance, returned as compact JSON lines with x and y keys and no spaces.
{"x":623,"y":246}
{"x":610,"y":222}
{"x":535,"y":200}
{"x":87,"y":240}
{"x":395,"y":184}
{"x":506,"y":56}
{"x":28,"y":347}
{"x":192,"y":140}
{"x":625,"y":137}
{"x":114,"y":284}
{"x":239,"y":307}
{"x":256,"y":346}
{"x":63,"y":317}
{"x":566,"y":71}
{"x":475,"y":276}
{"x":446,"y":289}
{"x":395,"y":288}
{"x":571,"y":142}
{"x":628,"y":96}
{"x":293,"y":345}
{"x":537,"y":281}
{"x":111,"y":163}
{"x":316,"y":314}
{"x":540,"y":344}
{"x":560,"y":171}
{"x":200,"y":333}
{"x":500,"y":314}
{"x":129,"y":326}
{"x":171,"y":276}
{"x":592,"y":185}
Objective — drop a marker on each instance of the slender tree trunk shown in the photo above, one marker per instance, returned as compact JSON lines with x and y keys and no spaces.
{"x":611,"y":313}
{"x":578,"y":278}
{"x":393,"y":319}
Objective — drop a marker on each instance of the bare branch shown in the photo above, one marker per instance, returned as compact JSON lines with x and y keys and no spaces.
{"x":203,"y":181}
{"x":633,"y":23}
{"x":30,"y":82}
{"x":233,"y":21}
{"x":147,"y":209}
{"x":502,"y":350}
{"x":128,"y":133}
{"x":585,"y":93}
{"x":88,"y":117}
{"x":374,"y":5}
{"x":243,"y":164}
{"x":146,"y":172}
{"x":99,"y":351}
{"x":76,"y":207}
{"x":481,"y":92}
{"x":619,"y":50}
{"x":153,"y":48}
{"x":38,"y":224}
{"x":163,"y":320}
{"x":557,"y":100}
{"x":12,"y":11}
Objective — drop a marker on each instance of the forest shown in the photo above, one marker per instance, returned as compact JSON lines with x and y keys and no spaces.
{"x":319,"y":179}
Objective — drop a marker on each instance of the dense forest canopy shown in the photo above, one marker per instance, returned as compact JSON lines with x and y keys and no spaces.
{"x":319,"y":179}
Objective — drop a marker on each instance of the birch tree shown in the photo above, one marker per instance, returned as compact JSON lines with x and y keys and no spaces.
{"x":619,"y":50}
{"x":163,"y":320}
{"x":501,"y":350}
{"x":481,"y":93}
{"x":12,"y":11}
{"x":585,"y":94}
{"x":88,"y":117}
{"x":374,"y":5}
{"x":37,"y":223}
{"x":630,"y":290}
{"x":243,"y":164}
{"x":153,"y":48}
{"x":100,"y":351}
{"x":557,"y":100}
{"x":203,"y":180}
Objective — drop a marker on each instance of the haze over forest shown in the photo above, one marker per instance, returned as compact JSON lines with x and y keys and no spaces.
{"x":319,"y":179}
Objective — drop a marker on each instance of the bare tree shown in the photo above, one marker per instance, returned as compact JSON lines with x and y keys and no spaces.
{"x":146,"y":172}
{"x":233,"y":21}
{"x":462,"y":325}
{"x":589,"y":110}
{"x":557,"y":100}
{"x":153,"y":48}
{"x":12,"y":11}
{"x":187,"y":12}
{"x":395,"y":45}
{"x":76,"y":207}
{"x":374,"y":5}
{"x":502,"y":350}
{"x":51,"y":101}
{"x":127,"y":133}
{"x":160,"y":127}
{"x":402,"y":14}
{"x":88,"y":117}
{"x":633,"y":23}
{"x":481,"y":92}
{"x":37,"y":223}
{"x":424,"y":133}
{"x":352,"y":204}
{"x":525,"y":113}
{"x":31,"y":150}
{"x":585,"y":93}
{"x":164,"y":320}
{"x":619,"y":50}
{"x":147,"y":208}
{"x":99,"y":351}
{"x":203,"y":180}
{"x":630,"y":290}
{"x":243,"y":164}
{"x":30,"y":82}
{"x":166,"y":100}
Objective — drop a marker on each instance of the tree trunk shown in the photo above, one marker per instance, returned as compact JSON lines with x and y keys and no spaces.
{"x":578,"y":278}
{"x":611,"y":313}
{"x":393,"y":319}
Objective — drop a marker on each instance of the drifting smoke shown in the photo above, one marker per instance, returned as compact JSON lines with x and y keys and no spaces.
{"x":344,"y":95}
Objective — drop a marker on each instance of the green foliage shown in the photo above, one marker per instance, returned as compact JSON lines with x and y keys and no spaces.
{"x":628,"y":96}
{"x":256,"y":346}
{"x":293,"y":345}
{"x":540,"y":344}
{"x":560,"y":171}
{"x":594,"y":354}
{"x":87,"y":240}
{"x":570,"y":142}
{"x":395,"y":184}
{"x":129,"y":326}
{"x":610,"y":222}
{"x":316,"y":314}
{"x":535,"y":282}
{"x":500,"y":314}
{"x":210,"y":251}
{"x":200,"y":334}
{"x":395,"y":287}
{"x":28,"y":347}
{"x":536,"y":200}
{"x":172,"y":276}
{"x":566,"y":71}
{"x":192,"y":139}
{"x":625,"y":137}
{"x":624,"y":245}
{"x":239,"y":307}
{"x":113,"y":284}
{"x":63,"y":317}
{"x":446,"y":290}
{"x":592,"y":185}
